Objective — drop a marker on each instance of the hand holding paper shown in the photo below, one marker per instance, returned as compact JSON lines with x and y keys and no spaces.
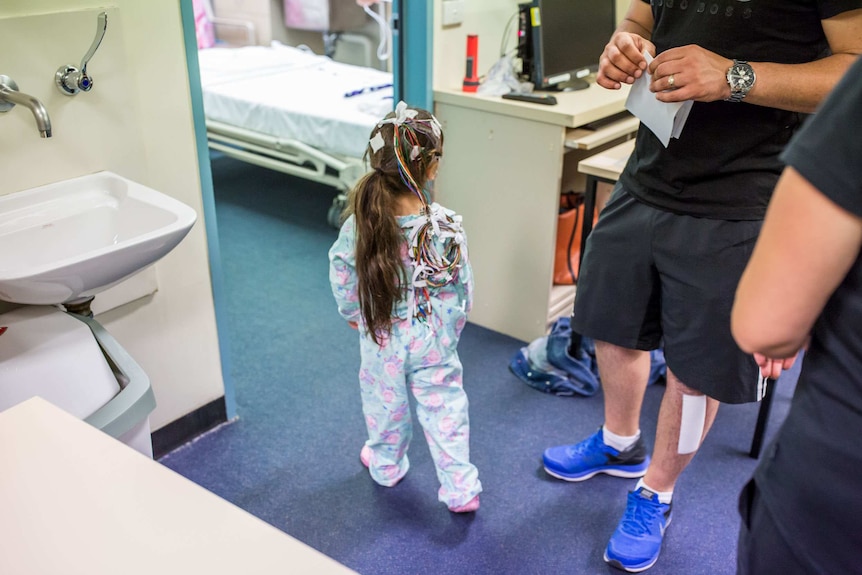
{"x":665,"y":119}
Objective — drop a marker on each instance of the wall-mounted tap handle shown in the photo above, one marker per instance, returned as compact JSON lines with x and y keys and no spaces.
{"x":101,"y":26}
{"x":71,"y":80}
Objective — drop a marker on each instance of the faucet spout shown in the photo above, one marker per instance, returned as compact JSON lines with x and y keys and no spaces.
{"x":9,"y":96}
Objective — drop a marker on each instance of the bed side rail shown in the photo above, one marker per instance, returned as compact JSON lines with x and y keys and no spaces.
{"x":284,"y":155}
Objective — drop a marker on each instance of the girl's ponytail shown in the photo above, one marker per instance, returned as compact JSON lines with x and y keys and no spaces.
{"x":379,"y":266}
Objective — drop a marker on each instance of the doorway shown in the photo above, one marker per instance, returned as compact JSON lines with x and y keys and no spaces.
{"x":411,"y":50}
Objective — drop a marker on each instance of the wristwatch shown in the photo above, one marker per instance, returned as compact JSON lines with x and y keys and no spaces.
{"x":741,"y":78}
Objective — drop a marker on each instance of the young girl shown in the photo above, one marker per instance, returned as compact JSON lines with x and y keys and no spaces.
{"x":400,"y":274}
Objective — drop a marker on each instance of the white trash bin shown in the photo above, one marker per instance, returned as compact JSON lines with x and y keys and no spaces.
{"x":74,"y":363}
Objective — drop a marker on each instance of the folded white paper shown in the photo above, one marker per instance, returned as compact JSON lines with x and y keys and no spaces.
{"x":665,"y":119}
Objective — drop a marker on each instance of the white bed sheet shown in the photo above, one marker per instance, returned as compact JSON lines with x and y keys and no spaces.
{"x":289,"y":92}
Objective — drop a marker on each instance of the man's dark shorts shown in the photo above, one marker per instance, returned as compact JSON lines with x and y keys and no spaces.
{"x":653,"y":278}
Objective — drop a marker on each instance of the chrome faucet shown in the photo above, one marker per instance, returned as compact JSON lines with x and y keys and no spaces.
{"x":9,"y":96}
{"x":71,"y":80}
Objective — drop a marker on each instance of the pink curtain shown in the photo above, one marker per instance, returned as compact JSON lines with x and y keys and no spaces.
{"x":203,"y":27}
{"x":324,"y":15}
{"x":307,"y":14}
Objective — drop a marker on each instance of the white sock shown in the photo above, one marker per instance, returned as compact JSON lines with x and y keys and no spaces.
{"x":663,"y":496}
{"x":619,"y":442}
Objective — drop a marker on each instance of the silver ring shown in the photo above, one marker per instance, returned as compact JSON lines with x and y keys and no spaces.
{"x":670,"y":81}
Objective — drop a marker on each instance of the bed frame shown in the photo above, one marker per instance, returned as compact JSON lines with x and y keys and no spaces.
{"x":290,"y":157}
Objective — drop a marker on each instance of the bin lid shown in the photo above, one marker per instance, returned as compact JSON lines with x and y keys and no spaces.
{"x":45,"y":352}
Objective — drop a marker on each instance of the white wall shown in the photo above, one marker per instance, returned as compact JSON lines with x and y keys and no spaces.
{"x":488,"y":19}
{"x":137,"y":121}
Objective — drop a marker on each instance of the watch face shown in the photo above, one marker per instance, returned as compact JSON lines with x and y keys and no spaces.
{"x":742,"y":78}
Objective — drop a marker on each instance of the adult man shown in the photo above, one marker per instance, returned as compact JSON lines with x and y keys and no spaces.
{"x":662,"y":265}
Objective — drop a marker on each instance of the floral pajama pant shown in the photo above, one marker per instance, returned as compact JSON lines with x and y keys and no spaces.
{"x":429,"y":366}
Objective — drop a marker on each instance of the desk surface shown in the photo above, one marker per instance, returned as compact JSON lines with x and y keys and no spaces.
{"x":573,"y":109}
{"x":76,"y":501}
{"x":608,"y":164}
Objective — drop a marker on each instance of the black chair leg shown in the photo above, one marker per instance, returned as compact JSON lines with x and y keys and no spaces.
{"x":762,"y":419}
{"x":586,"y":229}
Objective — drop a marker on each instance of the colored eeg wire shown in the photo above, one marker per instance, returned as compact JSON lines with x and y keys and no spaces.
{"x":441,"y":269}
{"x":440,"y":266}
{"x":403,"y":166}
{"x":433,"y":269}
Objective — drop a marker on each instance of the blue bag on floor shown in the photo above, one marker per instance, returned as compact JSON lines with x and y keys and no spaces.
{"x":545,"y":364}
{"x":531,"y":365}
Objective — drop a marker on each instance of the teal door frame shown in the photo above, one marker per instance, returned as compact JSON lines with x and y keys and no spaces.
{"x":208,"y":198}
{"x":413,"y":57}
{"x":412,"y":54}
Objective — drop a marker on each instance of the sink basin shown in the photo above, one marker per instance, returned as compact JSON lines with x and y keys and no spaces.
{"x":72,"y":239}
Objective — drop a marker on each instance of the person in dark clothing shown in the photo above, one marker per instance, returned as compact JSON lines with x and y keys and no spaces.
{"x":663,"y":263}
{"x":800,"y":512}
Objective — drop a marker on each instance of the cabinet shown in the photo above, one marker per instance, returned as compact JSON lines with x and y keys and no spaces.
{"x":505,"y":163}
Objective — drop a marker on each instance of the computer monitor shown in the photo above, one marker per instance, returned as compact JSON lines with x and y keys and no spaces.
{"x":567,"y":39}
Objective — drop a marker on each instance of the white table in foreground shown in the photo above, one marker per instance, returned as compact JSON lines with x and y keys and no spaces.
{"x":76,"y":501}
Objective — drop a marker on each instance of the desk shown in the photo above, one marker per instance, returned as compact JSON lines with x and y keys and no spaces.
{"x":505,"y":163}
{"x":76,"y":501}
{"x":605,"y":167}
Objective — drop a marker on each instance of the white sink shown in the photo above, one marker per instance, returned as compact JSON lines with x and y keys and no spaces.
{"x":75,"y":238}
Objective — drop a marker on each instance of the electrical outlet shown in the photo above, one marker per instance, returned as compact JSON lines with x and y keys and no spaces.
{"x":453,"y":12}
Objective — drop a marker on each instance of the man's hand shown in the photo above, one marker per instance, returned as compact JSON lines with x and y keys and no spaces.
{"x":698,"y":75}
{"x":367,"y":2}
{"x":622,"y":61}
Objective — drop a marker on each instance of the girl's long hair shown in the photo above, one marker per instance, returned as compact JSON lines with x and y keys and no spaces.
{"x":382,"y":277}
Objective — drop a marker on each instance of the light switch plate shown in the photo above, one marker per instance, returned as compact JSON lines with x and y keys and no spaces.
{"x":453,"y":12}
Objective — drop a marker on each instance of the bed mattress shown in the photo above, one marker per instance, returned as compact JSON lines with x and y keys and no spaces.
{"x":289,"y":92}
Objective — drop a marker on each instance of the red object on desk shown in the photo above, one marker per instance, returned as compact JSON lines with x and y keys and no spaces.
{"x":471,"y":78}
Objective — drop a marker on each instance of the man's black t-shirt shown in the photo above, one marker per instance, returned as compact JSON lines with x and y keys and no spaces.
{"x":726,"y":161}
{"x":811,"y":478}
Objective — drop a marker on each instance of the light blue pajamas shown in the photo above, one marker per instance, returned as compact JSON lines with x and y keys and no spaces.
{"x":421,"y":355}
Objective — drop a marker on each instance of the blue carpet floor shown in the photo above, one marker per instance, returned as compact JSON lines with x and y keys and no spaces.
{"x":292,"y":455}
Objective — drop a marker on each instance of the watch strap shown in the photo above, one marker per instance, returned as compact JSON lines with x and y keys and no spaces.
{"x":737,"y":95}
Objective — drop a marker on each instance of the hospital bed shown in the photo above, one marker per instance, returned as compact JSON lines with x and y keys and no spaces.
{"x":294,"y":111}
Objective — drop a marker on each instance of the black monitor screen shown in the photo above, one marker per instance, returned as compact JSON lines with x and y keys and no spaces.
{"x":568,"y":39}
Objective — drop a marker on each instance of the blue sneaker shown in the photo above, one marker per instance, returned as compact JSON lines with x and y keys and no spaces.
{"x":636,"y":543}
{"x":591,"y":456}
